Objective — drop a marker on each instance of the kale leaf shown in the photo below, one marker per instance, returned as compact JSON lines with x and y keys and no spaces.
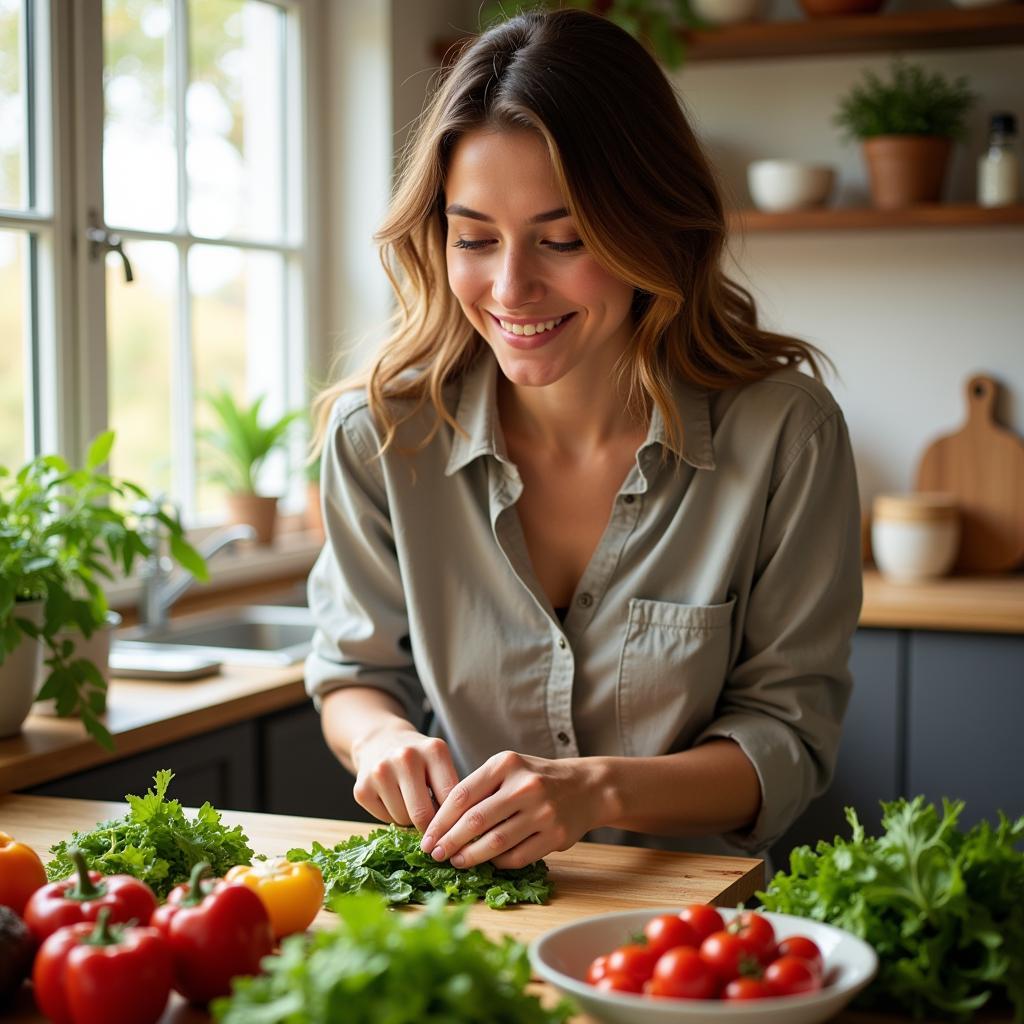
{"x":943,"y":908}
{"x":389,"y":861}
{"x":156,"y":842}
{"x":374,"y":965}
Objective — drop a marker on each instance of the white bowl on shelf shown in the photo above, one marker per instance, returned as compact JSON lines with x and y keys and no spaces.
{"x":780,"y":185}
{"x":561,"y":957}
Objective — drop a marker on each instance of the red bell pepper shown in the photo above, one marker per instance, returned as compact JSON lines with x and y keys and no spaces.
{"x":81,"y":898}
{"x":97,"y":974}
{"x":216,"y":930}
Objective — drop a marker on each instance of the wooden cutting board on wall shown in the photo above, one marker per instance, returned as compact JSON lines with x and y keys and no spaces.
{"x":982,"y":466}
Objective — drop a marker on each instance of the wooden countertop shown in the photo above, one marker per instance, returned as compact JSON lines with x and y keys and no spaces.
{"x":588,"y":879}
{"x":143,"y":714}
{"x":982,"y":604}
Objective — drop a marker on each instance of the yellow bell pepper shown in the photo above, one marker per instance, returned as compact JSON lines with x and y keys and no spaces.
{"x":292,"y":893}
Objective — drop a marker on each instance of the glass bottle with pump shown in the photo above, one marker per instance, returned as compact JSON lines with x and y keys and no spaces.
{"x":999,"y":166}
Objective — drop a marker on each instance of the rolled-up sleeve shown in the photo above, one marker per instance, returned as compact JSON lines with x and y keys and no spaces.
{"x":785,"y":697}
{"x":355,"y":587}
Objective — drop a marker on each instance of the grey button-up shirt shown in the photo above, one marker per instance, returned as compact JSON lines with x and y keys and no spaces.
{"x":720,"y":601}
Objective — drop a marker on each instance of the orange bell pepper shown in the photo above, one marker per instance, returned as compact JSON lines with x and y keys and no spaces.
{"x":21,"y":873}
{"x":292,"y":892}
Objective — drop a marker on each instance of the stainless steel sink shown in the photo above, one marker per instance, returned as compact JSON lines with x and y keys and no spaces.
{"x":247,"y":635}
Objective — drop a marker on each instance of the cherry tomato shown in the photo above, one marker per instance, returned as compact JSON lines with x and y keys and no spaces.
{"x":757,"y":932}
{"x":741,"y":989}
{"x":666,"y":931}
{"x":619,"y":983}
{"x":635,"y":960}
{"x":728,"y":955}
{"x":702,"y":919}
{"x":598,"y":969}
{"x":682,"y":974}
{"x":806,"y":949}
{"x":791,"y":976}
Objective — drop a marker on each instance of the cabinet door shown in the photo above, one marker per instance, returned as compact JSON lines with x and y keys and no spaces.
{"x":218,"y":766}
{"x":301,"y":775}
{"x":867,"y":769}
{"x":964,"y":721}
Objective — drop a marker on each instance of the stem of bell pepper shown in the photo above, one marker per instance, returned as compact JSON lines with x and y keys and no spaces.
{"x":195,"y":884}
{"x":84,"y":888}
{"x":104,"y":934}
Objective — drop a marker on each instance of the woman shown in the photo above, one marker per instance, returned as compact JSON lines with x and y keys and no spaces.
{"x":583,"y":513}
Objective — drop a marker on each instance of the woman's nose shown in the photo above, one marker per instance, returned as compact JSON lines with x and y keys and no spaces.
{"x":516,"y":282}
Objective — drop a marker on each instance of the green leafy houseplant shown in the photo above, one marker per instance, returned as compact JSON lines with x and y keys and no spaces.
{"x":241,"y":442}
{"x":912,"y":102}
{"x":658,"y":23}
{"x":61,"y":531}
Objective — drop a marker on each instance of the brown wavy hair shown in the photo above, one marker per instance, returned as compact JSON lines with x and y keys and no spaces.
{"x":641,"y":192}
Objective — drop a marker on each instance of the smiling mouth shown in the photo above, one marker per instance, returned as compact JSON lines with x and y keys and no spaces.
{"x":528,"y":330}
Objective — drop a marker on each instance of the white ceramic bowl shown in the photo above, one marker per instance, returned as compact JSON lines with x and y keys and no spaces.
{"x":562,"y":955}
{"x":780,"y":185}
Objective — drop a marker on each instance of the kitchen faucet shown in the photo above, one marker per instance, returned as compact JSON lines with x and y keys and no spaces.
{"x":159,"y":590}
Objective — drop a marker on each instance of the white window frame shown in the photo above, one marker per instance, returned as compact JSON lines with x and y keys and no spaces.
{"x":79,"y":365}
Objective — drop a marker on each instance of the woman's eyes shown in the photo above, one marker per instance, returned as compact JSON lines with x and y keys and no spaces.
{"x":473,"y":244}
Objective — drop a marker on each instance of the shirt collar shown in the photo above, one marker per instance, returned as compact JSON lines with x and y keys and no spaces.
{"x":477,"y":415}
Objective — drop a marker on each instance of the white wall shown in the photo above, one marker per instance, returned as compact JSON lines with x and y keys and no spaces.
{"x":906,"y":315}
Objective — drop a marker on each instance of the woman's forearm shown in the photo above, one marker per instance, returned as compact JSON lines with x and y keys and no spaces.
{"x":709,"y":789}
{"x":352,"y":715}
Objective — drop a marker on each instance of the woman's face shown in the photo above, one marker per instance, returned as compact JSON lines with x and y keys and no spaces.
{"x":518,"y":268}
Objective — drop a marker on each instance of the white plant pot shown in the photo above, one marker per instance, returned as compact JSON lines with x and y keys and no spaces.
{"x":95,"y":648}
{"x":19,"y":674}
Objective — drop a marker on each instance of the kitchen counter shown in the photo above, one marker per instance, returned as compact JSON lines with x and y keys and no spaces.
{"x":588,"y":879}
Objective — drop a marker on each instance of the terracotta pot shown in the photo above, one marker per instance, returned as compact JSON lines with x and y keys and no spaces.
{"x":258,"y":511}
{"x":314,"y":512}
{"x":906,"y":169}
{"x":19,"y":673}
{"x":839,"y":8}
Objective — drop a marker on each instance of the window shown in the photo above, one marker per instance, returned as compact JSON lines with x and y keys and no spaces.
{"x":187,"y":188}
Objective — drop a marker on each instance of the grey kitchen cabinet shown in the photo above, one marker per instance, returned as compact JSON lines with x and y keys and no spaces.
{"x":219,"y":766}
{"x":301,"y":775}
{"x":868,"y":766}
{"x":965,"y":716}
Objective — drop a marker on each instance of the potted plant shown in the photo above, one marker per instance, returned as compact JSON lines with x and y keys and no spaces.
{"x":241,"y":444}
{"x":61,"y":530}
{"x":907,"y":127}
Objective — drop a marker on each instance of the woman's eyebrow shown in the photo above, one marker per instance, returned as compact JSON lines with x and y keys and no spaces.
{"x":458,"y":210}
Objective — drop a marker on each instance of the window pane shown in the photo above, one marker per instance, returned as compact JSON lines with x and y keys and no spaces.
{"x":139,"y":165}
{"x":235,"y":125}
{"x":141,"y":322}
{"x":12,"y":106}
{"x":13,"y":246}
{"x":238,"y":344}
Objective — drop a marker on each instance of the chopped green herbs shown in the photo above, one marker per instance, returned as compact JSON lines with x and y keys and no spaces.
{"x":389,"y":861}
{"x":943,"y":908}
{"x":156,"y":842}
{"x":375,"y":965}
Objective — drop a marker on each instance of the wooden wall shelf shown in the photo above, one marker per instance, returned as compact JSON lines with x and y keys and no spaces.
{"x":943,"y":28}
{"x":941,"y":215}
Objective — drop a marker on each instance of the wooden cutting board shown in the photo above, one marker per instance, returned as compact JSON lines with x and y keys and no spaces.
{"x":982,"y":466}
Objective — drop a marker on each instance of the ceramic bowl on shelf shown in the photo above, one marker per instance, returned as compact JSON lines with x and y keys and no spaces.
{"x":915,"y":536}
{"x":561,"y":957}
{"x":726,"y":12}
{"x":780,"y":185}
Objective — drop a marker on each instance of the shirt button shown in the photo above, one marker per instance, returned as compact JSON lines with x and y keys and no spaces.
{"x":585,"y":600}
{"x":563,"y":737}
{"x":561,"y":642}
{"x":628,"y":499}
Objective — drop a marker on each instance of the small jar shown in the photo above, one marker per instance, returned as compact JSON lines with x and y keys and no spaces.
{"x":915,"y":536}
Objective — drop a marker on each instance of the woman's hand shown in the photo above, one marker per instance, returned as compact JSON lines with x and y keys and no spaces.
{"x":515,"y":809}
{"x":402,"y":775}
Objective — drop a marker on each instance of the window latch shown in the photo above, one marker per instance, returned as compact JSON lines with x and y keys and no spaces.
{"x":102,"y":241}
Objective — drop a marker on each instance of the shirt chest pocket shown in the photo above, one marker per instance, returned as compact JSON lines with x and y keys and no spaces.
{"x":671,"y":672}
